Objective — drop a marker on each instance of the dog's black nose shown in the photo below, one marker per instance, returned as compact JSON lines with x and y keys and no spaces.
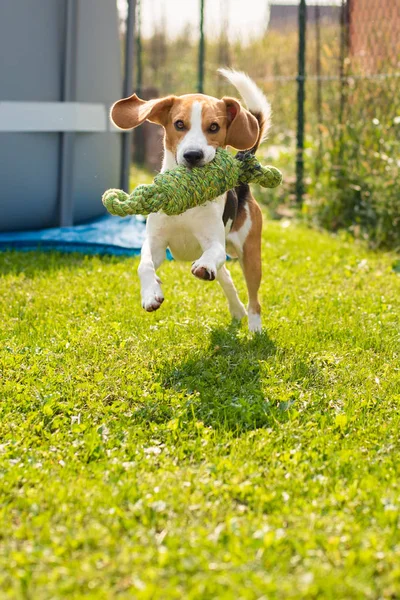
{"x":193,"y":157}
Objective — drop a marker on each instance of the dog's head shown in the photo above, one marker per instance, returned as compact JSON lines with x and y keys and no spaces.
{"x":195,"y":125}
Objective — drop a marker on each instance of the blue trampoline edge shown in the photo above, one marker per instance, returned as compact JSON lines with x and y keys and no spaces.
{"x":104,"y":236}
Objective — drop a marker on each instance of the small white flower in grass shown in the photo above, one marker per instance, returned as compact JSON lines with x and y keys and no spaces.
{"x":396,"y":120}
{"x":76,"y":419}
{"x":280,"y":533}
{"x":128,"y":464}
{"x":152,"y":450}
{"x":285,"y":496}
{"x":377,"y":380}
{"x":388,"y":505}
{"x":138,"y":584}
{"x":307,"y":578}
{"x":375,"y":121}
{"x":158,"y":506}
{"x":61,"y":463}
{"x":320,"y":478}
{"x":260,"y":533}
{"x":104,"y":431}
{"x":391,"y":507}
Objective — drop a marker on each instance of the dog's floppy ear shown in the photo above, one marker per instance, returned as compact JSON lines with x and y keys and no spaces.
{"x":131,"y":112}
{"x":243,"y":129}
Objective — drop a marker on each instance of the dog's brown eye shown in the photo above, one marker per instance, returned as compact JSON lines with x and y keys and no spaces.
{"x":214,"y":127}
{"x":179,"y":125}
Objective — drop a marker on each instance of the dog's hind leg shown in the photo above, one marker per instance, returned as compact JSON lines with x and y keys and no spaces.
{"x":250,"y":261}
{"x":236,"y":307}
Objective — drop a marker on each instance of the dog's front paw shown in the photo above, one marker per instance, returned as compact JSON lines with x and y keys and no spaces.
{"x":204,"y":271}
{"x":152,"y":303}
{"x":255,"y":322}
{"x":152,"y":298}
{"x":238,"y":311}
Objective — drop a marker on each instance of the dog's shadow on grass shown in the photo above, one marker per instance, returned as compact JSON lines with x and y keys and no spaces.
{"x":223,"y":384}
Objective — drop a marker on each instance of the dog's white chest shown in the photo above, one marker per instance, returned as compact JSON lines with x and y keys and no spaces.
{"x":184,"y":232}
{"x":184,"y":246}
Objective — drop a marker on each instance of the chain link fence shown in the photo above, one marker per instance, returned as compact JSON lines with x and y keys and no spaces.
{"x":353,"y":121}
{"x":331,"y":69}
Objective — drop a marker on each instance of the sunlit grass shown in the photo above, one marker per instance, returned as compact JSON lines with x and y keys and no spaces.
{"x":173,"y":455}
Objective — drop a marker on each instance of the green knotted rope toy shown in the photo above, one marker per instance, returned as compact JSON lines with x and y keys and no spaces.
{"x":176,"y":190}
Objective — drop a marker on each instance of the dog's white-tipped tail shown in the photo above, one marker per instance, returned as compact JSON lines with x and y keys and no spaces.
{"x":254,"y":99}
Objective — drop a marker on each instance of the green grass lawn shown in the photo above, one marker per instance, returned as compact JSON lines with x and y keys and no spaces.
{"x":173,"y":456}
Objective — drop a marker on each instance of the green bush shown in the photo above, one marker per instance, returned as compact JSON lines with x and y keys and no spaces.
{"x":355,"y":166}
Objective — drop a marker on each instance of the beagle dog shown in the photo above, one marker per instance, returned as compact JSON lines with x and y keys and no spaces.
{"x":195,"y":125}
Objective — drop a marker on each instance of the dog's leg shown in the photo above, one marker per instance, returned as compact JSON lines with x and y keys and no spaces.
{"x":212,"y":241}
{"x":212,"y":259}
{"x":153,"y":254}
{"x":236,"y":307}
{"x":250,"y":261}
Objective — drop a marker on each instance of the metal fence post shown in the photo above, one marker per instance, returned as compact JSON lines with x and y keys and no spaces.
{"x":139,"y":136}
{"x":139,"y":48}
{"x":66,"y":205}
{"x":344,"y":51}
{"x":200,"y":83}
{"x":301,"y":80}
{"x":318,"y":73}
{"x":128,"y":81}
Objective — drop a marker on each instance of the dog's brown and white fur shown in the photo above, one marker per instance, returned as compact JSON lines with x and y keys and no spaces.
{"x":195,"y":125}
